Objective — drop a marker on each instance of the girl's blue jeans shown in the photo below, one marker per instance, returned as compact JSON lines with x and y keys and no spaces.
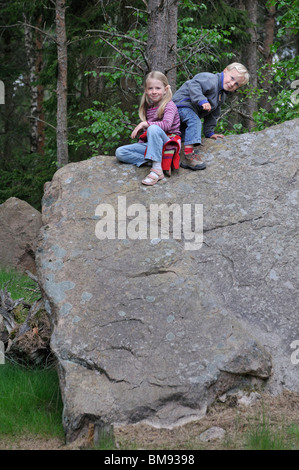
{"x":190,"y":126}
{"x":134,"y":153}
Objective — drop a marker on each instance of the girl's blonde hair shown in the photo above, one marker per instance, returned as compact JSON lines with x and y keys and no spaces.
{"x":145,"y":103}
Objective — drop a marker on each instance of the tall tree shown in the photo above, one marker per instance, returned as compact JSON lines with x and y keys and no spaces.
{"x":61,"y":126}
{"x":33,"y":47}
{"x":40,"y":89}
{"x":162,"y":37}
{"x":251,"y":54}
{"x":267,"y":53}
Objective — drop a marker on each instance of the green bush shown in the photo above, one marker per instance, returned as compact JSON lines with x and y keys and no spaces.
{"x":106,"y":129}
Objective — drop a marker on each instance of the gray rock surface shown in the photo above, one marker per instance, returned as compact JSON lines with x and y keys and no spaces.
{"x":145,"y":329}
{"x":20,"y":224}
{"x":212,"y":434}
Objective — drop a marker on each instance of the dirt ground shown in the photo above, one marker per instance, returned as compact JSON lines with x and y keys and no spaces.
{"x":279,"y":414}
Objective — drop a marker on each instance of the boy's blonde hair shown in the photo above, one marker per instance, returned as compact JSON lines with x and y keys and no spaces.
{"x":241,"y":69}
{"x":145,"y":103}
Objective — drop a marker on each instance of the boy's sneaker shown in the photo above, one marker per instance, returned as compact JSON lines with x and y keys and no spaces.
{"x":193,"y":162}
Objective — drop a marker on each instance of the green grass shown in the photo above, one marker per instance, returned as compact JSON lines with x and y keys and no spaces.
{"x":30,"y":401}
{"x":19,"y":285}
{"x":263,"y":435}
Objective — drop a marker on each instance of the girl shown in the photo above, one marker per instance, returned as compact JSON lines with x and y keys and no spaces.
{"x":160,"y":124}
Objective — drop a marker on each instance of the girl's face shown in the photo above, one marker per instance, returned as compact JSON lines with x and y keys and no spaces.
{"x":155,"y":90}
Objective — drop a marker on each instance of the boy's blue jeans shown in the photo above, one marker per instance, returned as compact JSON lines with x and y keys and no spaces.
{"x":134,"y":153}
{"x":190,"y":126}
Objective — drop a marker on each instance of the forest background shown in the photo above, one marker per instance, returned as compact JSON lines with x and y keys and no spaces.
{"x":72,"y":73}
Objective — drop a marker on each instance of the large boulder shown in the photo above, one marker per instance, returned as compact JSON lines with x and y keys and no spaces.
{"x":151,"y":326}
{"x":20,"y":224}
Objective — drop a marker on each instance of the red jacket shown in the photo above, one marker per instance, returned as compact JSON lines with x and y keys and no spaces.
{"x":170,"y":151}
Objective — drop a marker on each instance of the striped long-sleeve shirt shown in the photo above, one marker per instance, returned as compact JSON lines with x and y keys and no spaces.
{"x":170,"y":122}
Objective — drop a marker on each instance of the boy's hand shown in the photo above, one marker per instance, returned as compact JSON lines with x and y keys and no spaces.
{"x":206,"y":107}
{"x":217,"y":136}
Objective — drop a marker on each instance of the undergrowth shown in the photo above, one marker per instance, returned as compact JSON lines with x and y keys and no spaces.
{"x":30,"y":401}
{"x":19,"y":285}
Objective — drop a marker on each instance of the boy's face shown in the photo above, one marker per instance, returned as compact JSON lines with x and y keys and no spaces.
{"x":232,"y":80}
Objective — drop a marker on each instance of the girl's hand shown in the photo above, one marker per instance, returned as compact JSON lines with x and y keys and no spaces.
{"x":142,"y":125}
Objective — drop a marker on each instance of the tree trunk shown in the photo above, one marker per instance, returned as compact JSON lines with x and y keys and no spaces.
{"x":31,"y":60}
{"x":251,"y":55}
{"x":62,"y":146}
{"x":162,"y":37}
{"x":40,"y":91}
{"x":266,"y":51}
{"x":33,"y":47}
{"x":172,"y":29}
{"x":8,"y":143}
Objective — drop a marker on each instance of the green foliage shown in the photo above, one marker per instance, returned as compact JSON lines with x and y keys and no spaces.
{"x":281,"y":103}
{"x":212,"y":49}
{"x":129,"y":50}
{"x":106,"y":129}
{"x":288,"y":16}
{"x":25,"y":177}
{"x":222,"y":16}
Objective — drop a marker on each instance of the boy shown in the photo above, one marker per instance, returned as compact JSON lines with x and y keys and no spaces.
{"x":201,"y":97}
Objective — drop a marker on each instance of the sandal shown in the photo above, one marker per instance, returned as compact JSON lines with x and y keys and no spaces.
{"x":153,"y":177}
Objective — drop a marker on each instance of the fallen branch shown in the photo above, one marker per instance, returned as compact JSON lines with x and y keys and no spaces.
{"x":32,"y":276}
